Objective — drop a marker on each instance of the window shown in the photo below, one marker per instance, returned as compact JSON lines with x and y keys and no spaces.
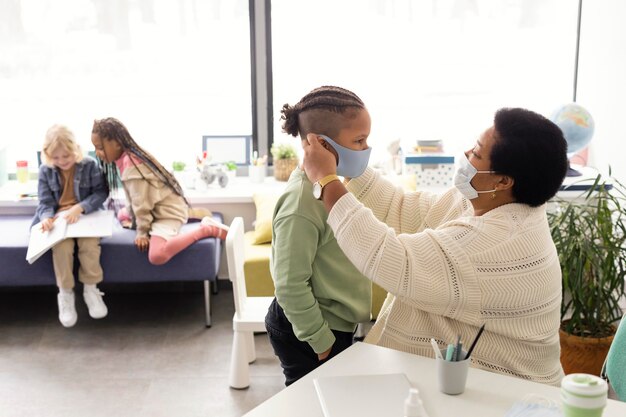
{"x":426,"y":70}
{"x":172,"y":71}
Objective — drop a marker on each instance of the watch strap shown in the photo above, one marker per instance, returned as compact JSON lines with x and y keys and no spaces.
{"x":327,"y":179}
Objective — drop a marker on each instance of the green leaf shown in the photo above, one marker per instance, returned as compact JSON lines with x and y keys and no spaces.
{"x":590,"y":236}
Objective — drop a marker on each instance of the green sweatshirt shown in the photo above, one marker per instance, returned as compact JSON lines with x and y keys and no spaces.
{"x":318,"y":288}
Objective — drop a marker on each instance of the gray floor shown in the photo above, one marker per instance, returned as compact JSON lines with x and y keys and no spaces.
{"x":152,"y":356}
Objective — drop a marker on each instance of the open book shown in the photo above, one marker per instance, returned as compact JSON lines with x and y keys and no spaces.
{"x":95,"y":224}
{"x":363,"y":395}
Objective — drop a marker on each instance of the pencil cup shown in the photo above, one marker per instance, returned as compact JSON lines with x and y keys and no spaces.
{"x":256,"y":173}
{"x":452,"y":376}
{"x":583,"y":395}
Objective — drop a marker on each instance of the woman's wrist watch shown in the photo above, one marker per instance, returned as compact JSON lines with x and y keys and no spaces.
{"x":319,"y":185}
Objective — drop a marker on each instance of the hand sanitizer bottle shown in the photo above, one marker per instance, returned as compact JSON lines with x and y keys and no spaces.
{"x":413,"y":406}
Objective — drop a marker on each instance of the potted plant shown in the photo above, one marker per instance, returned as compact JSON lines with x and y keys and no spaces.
{"x":590,"y":238}
{"x":178,"y":166}
{"x":231,"y":169}
{"x":285,"y":160}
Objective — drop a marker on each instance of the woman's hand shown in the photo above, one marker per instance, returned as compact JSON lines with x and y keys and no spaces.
{"x":47,"y":224}
{"x":142,"y":243}
{"x":318,"y":161}
{"x":73,"y":214}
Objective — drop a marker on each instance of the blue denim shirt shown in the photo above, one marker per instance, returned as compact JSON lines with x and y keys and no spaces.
{"x":90,"y":188}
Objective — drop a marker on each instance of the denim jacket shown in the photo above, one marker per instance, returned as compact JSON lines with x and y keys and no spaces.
{"x":90,"y":188}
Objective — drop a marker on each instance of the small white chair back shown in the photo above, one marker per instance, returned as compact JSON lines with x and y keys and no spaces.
{"x":250,"y":312}
{"x":235,"y":254}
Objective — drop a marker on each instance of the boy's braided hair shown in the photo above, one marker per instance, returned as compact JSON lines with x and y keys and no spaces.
{"x":323,"y":111}
{"x":112,"y":129}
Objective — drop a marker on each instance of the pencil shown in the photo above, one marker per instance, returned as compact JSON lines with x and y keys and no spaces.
{"x":473,"y":345}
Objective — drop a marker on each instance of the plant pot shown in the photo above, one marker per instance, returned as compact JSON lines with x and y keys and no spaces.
{"x":284,"y":167}
{"x":583,"y":354}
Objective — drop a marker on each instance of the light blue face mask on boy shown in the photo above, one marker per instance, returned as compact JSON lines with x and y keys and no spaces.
{"x":351,"y":163}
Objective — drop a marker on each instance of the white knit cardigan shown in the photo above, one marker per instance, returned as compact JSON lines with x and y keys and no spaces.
{"x":451,"y":271}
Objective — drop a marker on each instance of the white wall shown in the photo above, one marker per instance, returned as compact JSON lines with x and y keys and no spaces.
{"x":602,"y":81}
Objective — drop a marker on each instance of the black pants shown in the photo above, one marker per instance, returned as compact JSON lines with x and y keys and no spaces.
{"x":297,"y":358}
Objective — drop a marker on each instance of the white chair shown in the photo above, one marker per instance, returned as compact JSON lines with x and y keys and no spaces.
{"x":249,"y":311}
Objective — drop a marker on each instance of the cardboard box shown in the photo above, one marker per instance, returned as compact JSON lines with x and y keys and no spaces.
{"x":430,"y":170}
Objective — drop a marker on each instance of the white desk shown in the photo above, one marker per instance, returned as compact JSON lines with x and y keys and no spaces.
{"x":486,"y":394}
{"x":232,"y":201}
{"x":229,"y":200}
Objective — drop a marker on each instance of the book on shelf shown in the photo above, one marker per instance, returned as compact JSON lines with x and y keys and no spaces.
{"x":429,"y":146}
{"x":427,"y":149}
{"x":96,"y":224}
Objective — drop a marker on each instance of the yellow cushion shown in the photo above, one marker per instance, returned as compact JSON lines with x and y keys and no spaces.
{"x":378,"y":297}
{"x":265,"y":203}
{"x":256,"y":268}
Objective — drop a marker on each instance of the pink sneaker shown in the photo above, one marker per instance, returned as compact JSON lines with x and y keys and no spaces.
{"x":123,"y":215}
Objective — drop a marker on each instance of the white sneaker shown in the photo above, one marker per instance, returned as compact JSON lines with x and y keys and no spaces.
{"x":95,"y":304}
{"x":210,"y":221}
{"x":67,"y":308}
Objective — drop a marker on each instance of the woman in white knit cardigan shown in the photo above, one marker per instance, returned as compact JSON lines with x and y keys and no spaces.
{"x":481,"y":253}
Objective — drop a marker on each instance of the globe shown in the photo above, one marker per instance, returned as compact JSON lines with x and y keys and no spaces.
{"x":577,"y":126}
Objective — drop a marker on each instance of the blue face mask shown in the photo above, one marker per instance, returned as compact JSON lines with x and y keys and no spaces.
{"x":351,"y":163}
{"x":533,"y":405}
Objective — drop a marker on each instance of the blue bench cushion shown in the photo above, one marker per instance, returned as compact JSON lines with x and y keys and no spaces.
{"x":120,"y":259}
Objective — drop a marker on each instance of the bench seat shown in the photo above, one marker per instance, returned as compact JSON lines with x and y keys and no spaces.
{"x":120,"y":259}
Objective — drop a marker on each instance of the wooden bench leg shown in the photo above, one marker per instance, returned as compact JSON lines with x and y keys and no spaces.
{"x":207,"y":303}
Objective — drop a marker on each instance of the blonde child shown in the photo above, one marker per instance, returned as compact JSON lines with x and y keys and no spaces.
{"x":72,"y":184}
{"x":155,"y":199}
{"x":320,"y":295}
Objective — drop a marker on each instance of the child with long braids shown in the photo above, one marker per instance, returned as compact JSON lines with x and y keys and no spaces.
{"x":320,"y":295}
{"x":157,"y":206}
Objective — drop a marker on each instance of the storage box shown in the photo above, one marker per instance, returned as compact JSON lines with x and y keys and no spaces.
{"x":436,"y":171}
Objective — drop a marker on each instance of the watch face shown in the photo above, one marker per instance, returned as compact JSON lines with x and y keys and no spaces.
{"x":317,"y":190}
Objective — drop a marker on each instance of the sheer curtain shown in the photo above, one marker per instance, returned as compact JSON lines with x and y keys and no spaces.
{"x":427,"y":69}
{"x":172,"y":71}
